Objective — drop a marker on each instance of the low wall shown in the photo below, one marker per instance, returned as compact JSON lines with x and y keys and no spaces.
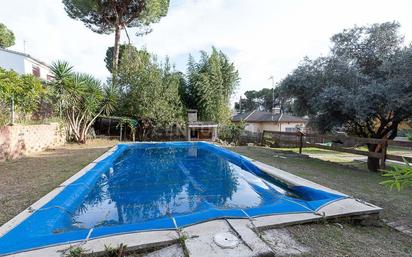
{"x":18,"y":140}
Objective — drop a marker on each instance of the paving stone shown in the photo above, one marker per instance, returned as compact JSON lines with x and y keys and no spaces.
{"x":283,"y":243}
{"x":170,"y":251}
{"x":250,"y":238}
{"x":200,"y":241}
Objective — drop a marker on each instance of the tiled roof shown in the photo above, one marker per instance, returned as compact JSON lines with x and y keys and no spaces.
{"x":260,"y":116}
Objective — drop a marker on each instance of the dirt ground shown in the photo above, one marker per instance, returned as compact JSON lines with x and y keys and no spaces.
{"x":345,"y":239}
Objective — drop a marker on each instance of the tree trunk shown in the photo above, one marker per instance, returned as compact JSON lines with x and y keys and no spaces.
{"x":116,"y":48}
{"x":373,"y":163}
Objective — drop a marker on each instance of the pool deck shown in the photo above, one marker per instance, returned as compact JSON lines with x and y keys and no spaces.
{"x":199,"y":237}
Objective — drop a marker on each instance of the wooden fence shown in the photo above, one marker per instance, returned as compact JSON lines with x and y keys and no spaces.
{"x":339,"y":143}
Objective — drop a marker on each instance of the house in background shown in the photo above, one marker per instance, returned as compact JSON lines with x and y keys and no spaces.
{"x":24,"y":64}
{"x":256,"y":121}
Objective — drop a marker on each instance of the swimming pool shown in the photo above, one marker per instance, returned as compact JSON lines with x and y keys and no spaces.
{"x":159,"y":186}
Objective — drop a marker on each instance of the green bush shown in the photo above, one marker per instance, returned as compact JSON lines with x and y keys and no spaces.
{"x":76,"y":252}
{"x":231,"y":132}
{"x":409,"y":136}
{"x":399,"y":177}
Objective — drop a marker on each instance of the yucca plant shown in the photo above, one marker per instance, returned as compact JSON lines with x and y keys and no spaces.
{"x":399,"y":178}
{"x":81,"y":98}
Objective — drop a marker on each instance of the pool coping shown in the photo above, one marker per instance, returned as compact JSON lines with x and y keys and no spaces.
{"x":345,"y":207}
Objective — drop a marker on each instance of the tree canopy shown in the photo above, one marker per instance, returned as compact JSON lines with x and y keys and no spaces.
{"x":264,"y":99}
{"x":109,"y":55}
{"x":364,"y":85}
{"x":149,"y":91}
{"x":6,"y":36}
{"x":24,"y":91}
{"x":210,"y":83}
{"x":106,"y":17}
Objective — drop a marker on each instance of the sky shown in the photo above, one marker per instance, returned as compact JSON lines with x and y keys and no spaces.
{"x":262,"y":37}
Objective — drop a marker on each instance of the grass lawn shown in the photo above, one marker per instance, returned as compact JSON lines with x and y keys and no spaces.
{"x":353,"y":160}
{"x":345,"y":239}
{"x":25,"y":180}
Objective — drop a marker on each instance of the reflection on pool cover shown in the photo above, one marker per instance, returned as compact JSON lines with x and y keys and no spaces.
{"x":159,"y":186}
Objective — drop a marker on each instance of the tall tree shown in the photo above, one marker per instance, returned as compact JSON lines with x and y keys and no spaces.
{"x":149,"y":91}
{"x":6,"y":36}
{"x":108,"y":16}
{"x":364,"y":85}
{"x":210,"y":84}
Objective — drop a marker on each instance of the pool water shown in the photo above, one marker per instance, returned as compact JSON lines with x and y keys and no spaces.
{"x":155,"y":182}
{"x":159,"y":186}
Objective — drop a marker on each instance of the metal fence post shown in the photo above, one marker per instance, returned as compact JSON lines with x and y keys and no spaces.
{"x":300,"y":141}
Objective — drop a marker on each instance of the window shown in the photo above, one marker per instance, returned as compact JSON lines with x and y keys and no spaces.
{"x":291,"y":129}
{"x":36,"y":71}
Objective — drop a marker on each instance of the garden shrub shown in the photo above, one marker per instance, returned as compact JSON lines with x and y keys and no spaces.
{"x":398,"y":177}
{"x":231,"y":132}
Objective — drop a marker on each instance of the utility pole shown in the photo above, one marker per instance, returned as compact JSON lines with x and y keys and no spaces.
{"x":273,"y":95}
{"x":24,"y":46}
{"x":273,"y":91}
{"x":12,"y":117}
{"x":240,"y":104}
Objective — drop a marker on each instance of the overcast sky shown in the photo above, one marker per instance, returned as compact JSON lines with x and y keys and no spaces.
{"x":262,"y":37}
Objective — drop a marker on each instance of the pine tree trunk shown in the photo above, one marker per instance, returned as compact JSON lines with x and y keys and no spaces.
{"x":116,"y":48}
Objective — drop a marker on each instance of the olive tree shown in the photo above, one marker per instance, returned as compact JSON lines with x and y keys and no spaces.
{"x":363,"y":86}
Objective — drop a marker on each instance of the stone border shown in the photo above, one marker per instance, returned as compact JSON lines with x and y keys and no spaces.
{"x":347,"y":207}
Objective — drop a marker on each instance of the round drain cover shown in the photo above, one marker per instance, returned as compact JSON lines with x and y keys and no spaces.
{"x":226,"y":240}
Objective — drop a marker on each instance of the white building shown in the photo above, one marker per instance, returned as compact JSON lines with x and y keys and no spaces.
{"x":24,"y":64}
{"x":257,"y":121}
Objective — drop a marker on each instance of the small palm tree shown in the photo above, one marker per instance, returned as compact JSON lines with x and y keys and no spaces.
{"x":62,"y":73}
{"x":82,"y":98}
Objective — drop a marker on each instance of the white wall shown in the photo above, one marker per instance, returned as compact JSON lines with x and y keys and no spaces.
{"x":44,"y":70}
{"x":253,"y":127}
{"x":272,"y":126}
{"x":291,"y":125}
{"x":10,"y":61}
{"x":22,"y":64}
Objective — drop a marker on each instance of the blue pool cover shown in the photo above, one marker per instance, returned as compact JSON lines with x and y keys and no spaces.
{"x":159,"y":186}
